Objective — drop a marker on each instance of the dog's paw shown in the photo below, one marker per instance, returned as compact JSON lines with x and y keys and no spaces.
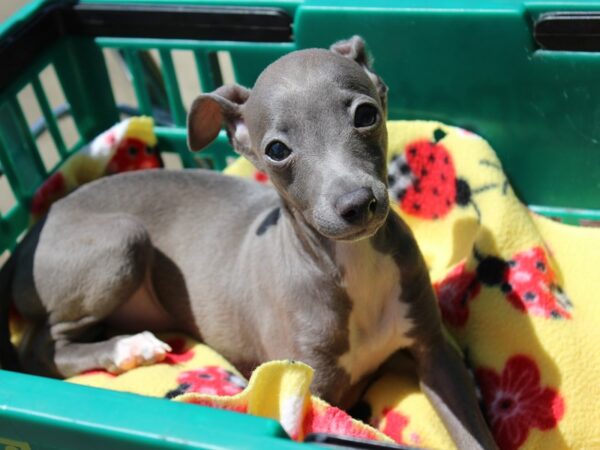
{"x":138,"y":350}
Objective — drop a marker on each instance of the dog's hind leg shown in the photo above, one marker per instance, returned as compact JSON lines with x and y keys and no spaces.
{"x":41,"y":355}
{"x":118,"y":354}
{"x":85,"y":268}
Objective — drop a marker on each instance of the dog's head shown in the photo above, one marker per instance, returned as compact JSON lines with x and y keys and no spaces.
{"x":315,"y":123}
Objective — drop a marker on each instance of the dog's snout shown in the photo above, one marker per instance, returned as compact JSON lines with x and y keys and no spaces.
{"x":357,"y":207}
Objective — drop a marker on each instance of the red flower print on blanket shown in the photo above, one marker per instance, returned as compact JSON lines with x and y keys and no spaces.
{"x":454,"y":292}
{"x":533,"y":286}
{"x":514,"y":402}
{"x":423,"y":179}
{"x":211,"y":380}
{"x":329,"y":419}
{"x":394,"y":426}
{"x":425,"y":182}
{"x":526,"y":280}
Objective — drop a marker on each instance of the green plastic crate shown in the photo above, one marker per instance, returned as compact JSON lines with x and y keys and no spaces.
{"x":513,"y":71}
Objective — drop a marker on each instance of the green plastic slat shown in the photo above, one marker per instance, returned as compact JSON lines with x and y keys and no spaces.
{"x":209,"y":74}
{"x":83,"y":76}
{"x":186,"y":44}
{"x":21,"y":149}
{"x":49,"y":117}
{"x":172,"y":86}
{"x":135,"y":66}
{"x":9,"y":171}
{"x":51,"y":414}
{"x":567,"y":215}
{"x":15,"y":220}
{"x":12,"y":225}
{"x":175,"y":140}
{"x":247,"y":65}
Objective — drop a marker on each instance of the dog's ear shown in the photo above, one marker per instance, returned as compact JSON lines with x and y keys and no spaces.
{"x":209,"y":112}
{"x":354,"y":48}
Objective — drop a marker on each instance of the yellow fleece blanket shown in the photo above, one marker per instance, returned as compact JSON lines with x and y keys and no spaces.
{"x":517,"y":292}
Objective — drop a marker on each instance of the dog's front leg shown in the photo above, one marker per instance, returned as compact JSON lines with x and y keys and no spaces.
{"x":448,"y":386}
{"x":331,"y":382}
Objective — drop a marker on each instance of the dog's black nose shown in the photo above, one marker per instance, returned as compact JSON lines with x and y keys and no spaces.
{"x":357,"y":207}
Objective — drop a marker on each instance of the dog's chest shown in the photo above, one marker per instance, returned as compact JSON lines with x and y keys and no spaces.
{"x":378,"y":324}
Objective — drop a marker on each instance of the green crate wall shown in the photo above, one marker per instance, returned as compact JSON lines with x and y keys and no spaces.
{"x":471,"y":64}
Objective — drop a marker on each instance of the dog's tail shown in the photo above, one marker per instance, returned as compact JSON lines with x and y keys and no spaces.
{"x":9,"y":359}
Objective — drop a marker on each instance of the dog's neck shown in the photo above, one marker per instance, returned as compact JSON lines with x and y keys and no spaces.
{"x":321,"y":249}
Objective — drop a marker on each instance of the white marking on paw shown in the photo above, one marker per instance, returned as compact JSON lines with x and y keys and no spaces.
{"x":138,"y":350}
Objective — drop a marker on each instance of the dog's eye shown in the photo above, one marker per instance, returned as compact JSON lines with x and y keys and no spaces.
{"x":365,"y":116}
{"x":278,"y":151}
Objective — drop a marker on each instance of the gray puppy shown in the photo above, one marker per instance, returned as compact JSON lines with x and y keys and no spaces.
{"x":318,"y":269}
